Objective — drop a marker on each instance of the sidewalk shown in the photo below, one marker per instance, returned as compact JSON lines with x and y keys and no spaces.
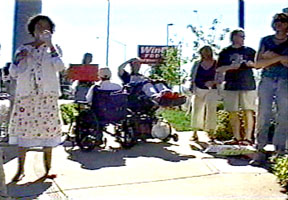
{"x":150,"y":170}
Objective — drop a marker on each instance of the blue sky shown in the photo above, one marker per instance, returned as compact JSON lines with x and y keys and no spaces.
{"x":81,"y":25}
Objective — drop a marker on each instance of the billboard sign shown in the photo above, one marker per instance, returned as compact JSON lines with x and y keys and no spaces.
{"x":151,"y":54}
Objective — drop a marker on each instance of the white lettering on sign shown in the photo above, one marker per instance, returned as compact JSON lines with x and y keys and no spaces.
{"x":152,"y":54}
{"x":153,"y":50}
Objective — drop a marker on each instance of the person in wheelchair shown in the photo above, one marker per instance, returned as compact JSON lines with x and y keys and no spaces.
{"x":157,"y":90}
{"x":150,"y":88}
{"x":106,"y":104}
{"x":104,"y":84}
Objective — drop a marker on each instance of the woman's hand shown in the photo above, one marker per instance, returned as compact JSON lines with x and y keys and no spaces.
{"x":21,"y":56}
{"x":250,"y":63}
{"x":210,"y":84}
{"x":225,"y":68}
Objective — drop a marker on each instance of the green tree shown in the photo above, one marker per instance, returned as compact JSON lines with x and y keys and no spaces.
{"x":170,"y":67}
{"x":213,"y":36}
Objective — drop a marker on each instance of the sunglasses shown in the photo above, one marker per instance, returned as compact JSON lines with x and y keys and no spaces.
{"x":280,"y":20}
{"x":241,"y":36}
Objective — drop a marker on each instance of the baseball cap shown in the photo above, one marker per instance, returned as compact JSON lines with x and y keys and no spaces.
{"x":104,"y":72}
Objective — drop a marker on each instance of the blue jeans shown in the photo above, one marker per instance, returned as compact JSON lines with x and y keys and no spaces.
{"x":269,"y":90}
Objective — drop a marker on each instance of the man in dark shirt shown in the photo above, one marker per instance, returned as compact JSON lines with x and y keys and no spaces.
{"x":236,"y":62}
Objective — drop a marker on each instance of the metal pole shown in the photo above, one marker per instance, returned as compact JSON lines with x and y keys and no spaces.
{"x":241,"y":14}
{"x":108,"y":27}
{"x":167,"y":34}
{"x":167,"y":39}
{"x":23,"y":11}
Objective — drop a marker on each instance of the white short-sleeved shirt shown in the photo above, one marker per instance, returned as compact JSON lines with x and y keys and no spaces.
{"x":104,"y":85}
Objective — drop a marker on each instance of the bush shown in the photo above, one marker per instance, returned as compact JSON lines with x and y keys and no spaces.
{"x":69,"y":112}
{"x":280,"y":169}
{"x":223,"y":129}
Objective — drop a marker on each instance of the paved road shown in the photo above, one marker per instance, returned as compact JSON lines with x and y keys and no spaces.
{"x":151,"y":170}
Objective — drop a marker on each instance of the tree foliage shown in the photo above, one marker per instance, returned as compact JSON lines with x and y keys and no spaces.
{"x":170,"y":67}
{"x":211,"y":37}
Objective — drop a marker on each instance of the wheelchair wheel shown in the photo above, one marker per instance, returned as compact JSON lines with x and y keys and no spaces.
{"x":69,"y":141}
{"x":126,"y":136}
{"x":88,"y":132}
{"x":175,"y":137}
{"x":87,"y":143}
{"x":128,"y":140}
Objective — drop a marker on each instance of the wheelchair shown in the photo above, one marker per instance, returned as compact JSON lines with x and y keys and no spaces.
{"x":133,"y":114}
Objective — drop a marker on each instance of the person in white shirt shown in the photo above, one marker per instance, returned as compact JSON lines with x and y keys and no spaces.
{"x":105,"y":84}
{"x":35,"y":119}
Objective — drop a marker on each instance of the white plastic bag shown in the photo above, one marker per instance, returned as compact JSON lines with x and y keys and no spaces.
{"x":161,"y":130}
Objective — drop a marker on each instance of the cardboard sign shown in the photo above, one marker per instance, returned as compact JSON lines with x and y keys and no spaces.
{"x":83,"y":72}
{"x":151,"y":54}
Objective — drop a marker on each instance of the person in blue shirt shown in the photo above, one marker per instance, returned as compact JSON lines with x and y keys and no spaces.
{"x":273,"y":88}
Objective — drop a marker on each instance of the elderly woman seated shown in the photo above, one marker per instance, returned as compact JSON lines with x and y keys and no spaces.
{"x":104,"y":84}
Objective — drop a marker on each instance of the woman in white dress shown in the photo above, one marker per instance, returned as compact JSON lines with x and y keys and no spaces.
{"x":35,"y":120}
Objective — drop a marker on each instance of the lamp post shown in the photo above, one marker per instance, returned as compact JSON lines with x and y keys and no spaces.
{"x":167,"y":42}
{"x":241,"y":14}
{"x":108,"y":28}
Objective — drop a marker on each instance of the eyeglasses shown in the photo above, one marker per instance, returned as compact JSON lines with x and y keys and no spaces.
{"x":241,"y":36}
{"x":280,"y":20}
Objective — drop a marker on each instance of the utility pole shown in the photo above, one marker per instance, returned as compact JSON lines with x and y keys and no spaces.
{"x":241,"y":14}
{"x":108,"y":30}
{"x":167,"y":33}
{"x":23,"y":11}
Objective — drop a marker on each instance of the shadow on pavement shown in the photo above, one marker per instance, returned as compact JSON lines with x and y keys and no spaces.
{"x":10,"y":152}
{"x":117,"y":157}
{"x":27,"y":191}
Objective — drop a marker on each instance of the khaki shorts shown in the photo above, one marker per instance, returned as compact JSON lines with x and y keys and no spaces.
{"x":234,"y":100}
